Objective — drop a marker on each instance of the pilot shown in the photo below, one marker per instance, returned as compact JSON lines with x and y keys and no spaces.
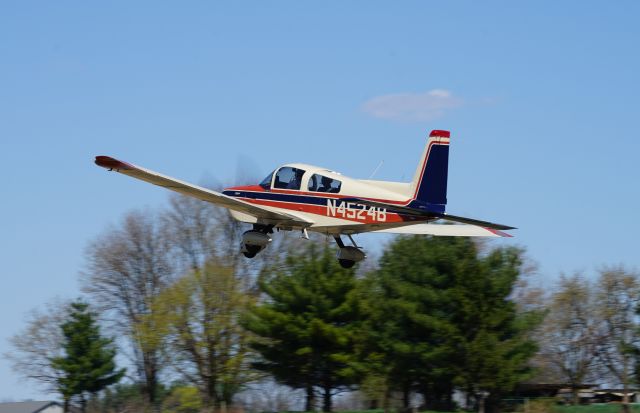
{"x":296,"y":181}
{"x":313,"y":183}
{"x":326,"y":184}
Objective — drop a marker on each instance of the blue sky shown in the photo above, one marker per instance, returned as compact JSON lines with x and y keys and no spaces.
{"x":541,"y":98}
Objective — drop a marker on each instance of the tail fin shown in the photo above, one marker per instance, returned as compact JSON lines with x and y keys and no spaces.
{"x":429,"y":185}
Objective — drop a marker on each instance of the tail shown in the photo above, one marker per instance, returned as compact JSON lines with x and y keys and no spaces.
{"x":429,"y":185}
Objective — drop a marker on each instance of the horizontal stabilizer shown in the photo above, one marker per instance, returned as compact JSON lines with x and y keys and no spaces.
{"x":472,"y":221}
{"x":429,"y":214}
{"x":462,"y":230}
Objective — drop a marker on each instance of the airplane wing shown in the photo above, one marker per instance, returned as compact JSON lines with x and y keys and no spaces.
{"x":263,"y":213}
{"x":435,"y":215}
{"x":462,"y":230}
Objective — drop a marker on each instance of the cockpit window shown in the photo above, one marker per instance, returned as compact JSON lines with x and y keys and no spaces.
{"x":320,"y":183}
{"x":266,"y":182}
{"x":288,"y":178}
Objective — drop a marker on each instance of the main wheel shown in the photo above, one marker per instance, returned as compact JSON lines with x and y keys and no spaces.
{"x":346,"y":263}
{"x":251,"y":251}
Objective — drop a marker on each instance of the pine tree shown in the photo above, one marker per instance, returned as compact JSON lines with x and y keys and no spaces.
{"x":408,"y":334}
{"x":88,"y":364}
{"x":439,"y":316}
{"x":305,"y":325}
{"x":495,"y":339}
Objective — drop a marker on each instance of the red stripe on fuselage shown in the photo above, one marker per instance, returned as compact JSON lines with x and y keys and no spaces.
{"x":353,"y":214}
{"x":325,"y":195}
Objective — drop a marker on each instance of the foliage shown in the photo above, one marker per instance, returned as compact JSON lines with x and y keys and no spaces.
{"x":198,"y":316}
{"x":305,"y":323}
{"x":182,"y":399}
{"x":87,"y":365}
{"x":439,"y":314}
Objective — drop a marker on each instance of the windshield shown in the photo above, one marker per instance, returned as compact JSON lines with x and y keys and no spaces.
{"x":266,"y":182}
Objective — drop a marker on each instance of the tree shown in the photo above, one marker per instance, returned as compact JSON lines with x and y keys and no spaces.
{"x":569,"y":337}
{"x":87,"y":365}
{"x":39,"y":342}
{"x":63,"y":350}
{"x":128,"y":266}
{"x":496,"y":339}
{"x":439,"y":315}
{"x":407,"y":327}
{"x":199,"y":316}
{"x":305,"y":324}
{"x":617,"y":299}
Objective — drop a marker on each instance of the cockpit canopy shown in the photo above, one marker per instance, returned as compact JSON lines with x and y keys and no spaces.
{"x":294,"y":178}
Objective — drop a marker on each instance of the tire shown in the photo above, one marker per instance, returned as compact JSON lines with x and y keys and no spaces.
{"x":346,"y":263}
{"x":251,"y":251}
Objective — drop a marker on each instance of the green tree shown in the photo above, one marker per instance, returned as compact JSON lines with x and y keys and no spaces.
{"x":496,"y":340}
{"x":408,"y":330}
{"x":306,"y":323}
{"x":87,"y":365}
{"x":439,"y":316}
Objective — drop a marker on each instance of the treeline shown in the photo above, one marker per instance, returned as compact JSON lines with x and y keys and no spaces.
{"x":195,"y":323}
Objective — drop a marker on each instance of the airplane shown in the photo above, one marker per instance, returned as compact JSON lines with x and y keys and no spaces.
{"x":306,"y":198}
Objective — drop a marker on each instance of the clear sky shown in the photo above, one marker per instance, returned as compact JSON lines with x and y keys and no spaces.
{"x":542,"y":99}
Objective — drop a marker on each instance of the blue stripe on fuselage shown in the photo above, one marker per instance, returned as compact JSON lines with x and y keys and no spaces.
{"x":322,"y":201}
{"x":272,"y":196}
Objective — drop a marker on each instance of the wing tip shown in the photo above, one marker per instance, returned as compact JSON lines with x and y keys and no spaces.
{"x":111,"y":163}
{"x":499,"y":233}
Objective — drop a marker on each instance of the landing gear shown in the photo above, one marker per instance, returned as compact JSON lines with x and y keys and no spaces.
{"x":250,"y":251}
{"x":255,"y":240}
{"x":348,"y":255}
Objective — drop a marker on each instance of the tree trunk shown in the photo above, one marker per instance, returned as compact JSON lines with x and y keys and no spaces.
{"x":151,"y":384}
{"x":326,"y":399}
{"x":406,"y":396}
{"x":310,"y":402}
{"x":83,"y":404}
{"x":625,"y":399}
{"x":66,"y":405}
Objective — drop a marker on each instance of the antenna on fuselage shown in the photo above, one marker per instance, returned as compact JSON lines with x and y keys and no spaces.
{"x":376,"y":170}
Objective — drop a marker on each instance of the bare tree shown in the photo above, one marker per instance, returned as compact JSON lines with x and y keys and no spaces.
{"x":569,"y":337}
{"x":199,"y":230}
{"x":617,"y":298}
{"x":128,"y":266}
{"x":194,"y":228}
{"x":37,"y":344}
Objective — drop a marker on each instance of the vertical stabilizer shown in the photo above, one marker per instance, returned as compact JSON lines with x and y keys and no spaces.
{"x":429,"y":185}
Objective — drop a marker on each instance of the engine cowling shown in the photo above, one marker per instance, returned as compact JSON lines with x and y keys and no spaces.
{"x":253,"y":242}
{"x":351,"y":254}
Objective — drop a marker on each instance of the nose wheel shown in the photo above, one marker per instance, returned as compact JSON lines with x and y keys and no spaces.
{"x":348,"y":256}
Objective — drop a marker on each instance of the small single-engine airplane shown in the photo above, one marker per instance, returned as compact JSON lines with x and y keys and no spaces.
{"x":310,"y":198}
